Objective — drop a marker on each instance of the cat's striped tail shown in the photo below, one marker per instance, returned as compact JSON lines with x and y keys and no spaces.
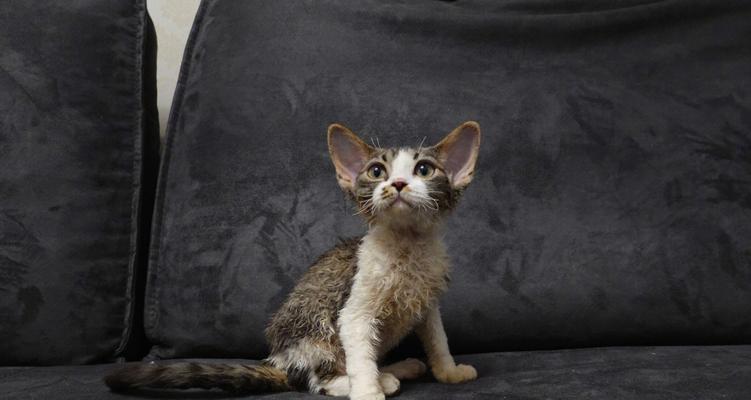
{"x":234,"y":378}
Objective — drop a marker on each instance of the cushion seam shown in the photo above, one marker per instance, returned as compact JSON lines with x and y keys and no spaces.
{"x":136,"y":185}
{"x":151,"y":320}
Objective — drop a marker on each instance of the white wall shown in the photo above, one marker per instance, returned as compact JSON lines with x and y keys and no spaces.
{"x":172,"y":20}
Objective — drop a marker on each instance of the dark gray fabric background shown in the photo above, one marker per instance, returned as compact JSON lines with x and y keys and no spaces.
{"x":77,"y":132}
{"x":612,"y":203}
{"x":639,"y":373}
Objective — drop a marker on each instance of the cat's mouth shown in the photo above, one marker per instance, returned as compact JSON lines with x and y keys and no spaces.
{"x":401,"y":202}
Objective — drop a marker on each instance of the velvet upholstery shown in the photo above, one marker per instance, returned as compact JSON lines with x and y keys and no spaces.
{"x":640,"y":373}
{"x":612,"y":202}
{"x":78,"y":154}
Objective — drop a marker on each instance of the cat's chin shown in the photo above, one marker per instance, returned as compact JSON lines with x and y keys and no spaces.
{"x":401,"y":204}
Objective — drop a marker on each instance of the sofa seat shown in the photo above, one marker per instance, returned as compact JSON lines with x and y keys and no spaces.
{"x":680,"y":372}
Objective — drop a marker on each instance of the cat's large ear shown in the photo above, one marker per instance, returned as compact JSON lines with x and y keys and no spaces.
{"x":349,"y":154}
{"x":458,"y":153}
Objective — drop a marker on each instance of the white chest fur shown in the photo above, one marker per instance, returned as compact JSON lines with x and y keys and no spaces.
{"x":398,"y":279}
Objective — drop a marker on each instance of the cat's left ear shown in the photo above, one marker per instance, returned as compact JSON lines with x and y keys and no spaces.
{"x":458,"y":153}
{"x":349,"y":154}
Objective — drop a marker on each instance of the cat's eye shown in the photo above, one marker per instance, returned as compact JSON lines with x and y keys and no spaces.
{"x":377,"y":171}
{"x":424,"y":169}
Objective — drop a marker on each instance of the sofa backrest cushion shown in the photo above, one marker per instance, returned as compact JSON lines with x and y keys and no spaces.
{"x":612,"y":202}
{"x":78,"y":154}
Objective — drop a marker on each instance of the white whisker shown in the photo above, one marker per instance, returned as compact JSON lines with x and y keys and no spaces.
{"x":425,"y":201}
{"x":419,"y":148}
{"x":366,"y":206}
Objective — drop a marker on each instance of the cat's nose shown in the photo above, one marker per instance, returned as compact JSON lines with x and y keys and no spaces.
{"x":399,"y":185}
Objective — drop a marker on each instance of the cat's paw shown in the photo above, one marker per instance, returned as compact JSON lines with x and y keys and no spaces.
{"x":455,"y":374}
{"x":367,"y":396}
{"x":389,"y":383}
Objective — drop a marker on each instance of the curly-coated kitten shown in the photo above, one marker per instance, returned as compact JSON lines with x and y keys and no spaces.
{"x":363,"y":296}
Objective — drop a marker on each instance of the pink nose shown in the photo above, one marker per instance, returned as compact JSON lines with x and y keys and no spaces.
{"x":399,"y":185}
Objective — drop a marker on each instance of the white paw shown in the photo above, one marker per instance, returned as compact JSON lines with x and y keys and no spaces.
{"x":335,"y":391}
{"x":389,"y":383}
{"x":367,"y":396}
{"x":412,"y":368}
{"x":455,"y":374}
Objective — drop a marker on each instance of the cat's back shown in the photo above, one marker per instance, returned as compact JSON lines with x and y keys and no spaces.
{"x":332,"y":270}
{"x":311,"y":309}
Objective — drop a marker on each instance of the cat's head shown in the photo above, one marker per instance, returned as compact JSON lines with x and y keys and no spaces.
{"x":405,"y":183}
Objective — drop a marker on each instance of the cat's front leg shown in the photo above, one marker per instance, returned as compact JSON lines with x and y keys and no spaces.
{"x":441,"y":363}
{"x":358,"y":334}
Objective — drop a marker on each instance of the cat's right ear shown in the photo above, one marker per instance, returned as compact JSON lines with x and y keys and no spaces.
{"x":349,"y":154}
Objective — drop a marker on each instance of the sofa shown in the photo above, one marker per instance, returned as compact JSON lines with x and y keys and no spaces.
{"x":603,"y":251}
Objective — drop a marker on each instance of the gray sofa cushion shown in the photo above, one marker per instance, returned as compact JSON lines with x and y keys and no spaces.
{"x":78,"y":148}
{"x":639,"y":373}
{"x":612,"y":200}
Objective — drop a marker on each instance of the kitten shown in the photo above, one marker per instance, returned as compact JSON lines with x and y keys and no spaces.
{"x":362,"y":297}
